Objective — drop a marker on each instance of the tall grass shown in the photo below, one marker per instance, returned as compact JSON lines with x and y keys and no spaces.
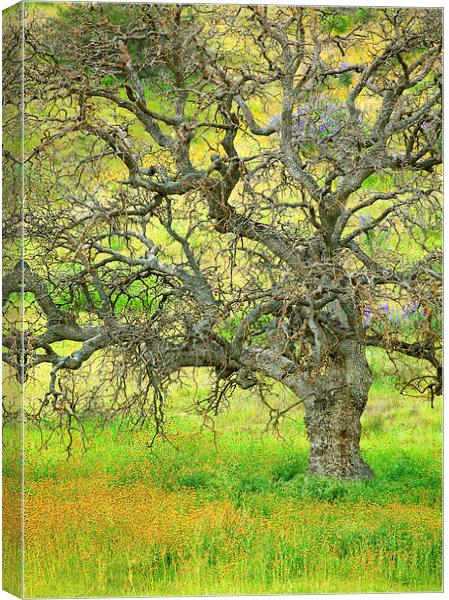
{"x":239,"y":517}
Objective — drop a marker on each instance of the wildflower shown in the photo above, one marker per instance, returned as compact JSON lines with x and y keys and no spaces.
{"x":364,"y":221}
{"x":367,"y":316}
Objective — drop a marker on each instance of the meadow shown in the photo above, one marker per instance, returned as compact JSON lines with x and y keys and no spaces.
{"x":223,"y":509}
{"x":235,"y":513}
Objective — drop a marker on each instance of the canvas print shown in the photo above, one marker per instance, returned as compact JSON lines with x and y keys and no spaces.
{"x":222,"y":288}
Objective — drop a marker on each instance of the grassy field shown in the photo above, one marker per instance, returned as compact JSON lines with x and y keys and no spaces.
{"x":239,"y":517}
{"x":233,"y":513}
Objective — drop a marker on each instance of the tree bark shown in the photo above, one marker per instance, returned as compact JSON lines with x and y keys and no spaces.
{"x":332,"y":418}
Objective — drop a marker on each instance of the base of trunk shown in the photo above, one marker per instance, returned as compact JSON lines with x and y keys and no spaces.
{"x":333,"y":428}
{"x":335,"y":467}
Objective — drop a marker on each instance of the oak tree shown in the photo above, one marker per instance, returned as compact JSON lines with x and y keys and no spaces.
{"x":252,"y":190}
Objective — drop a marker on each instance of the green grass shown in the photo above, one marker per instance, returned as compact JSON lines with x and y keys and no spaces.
{"x":238,"y":517}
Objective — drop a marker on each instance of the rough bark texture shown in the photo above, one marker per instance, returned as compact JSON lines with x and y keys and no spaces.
{"x":333,"y":429}
{"x":333,"y":419}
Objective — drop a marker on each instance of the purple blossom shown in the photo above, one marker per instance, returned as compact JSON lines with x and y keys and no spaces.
{"x":364,"y":220}
{"x":313,"y":119}
{"x":409,"y":310}
{"x":394,"y":315}
{"x":367,"y":316}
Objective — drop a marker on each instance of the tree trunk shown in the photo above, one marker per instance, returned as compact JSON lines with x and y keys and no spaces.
{"x":332,"y":418}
